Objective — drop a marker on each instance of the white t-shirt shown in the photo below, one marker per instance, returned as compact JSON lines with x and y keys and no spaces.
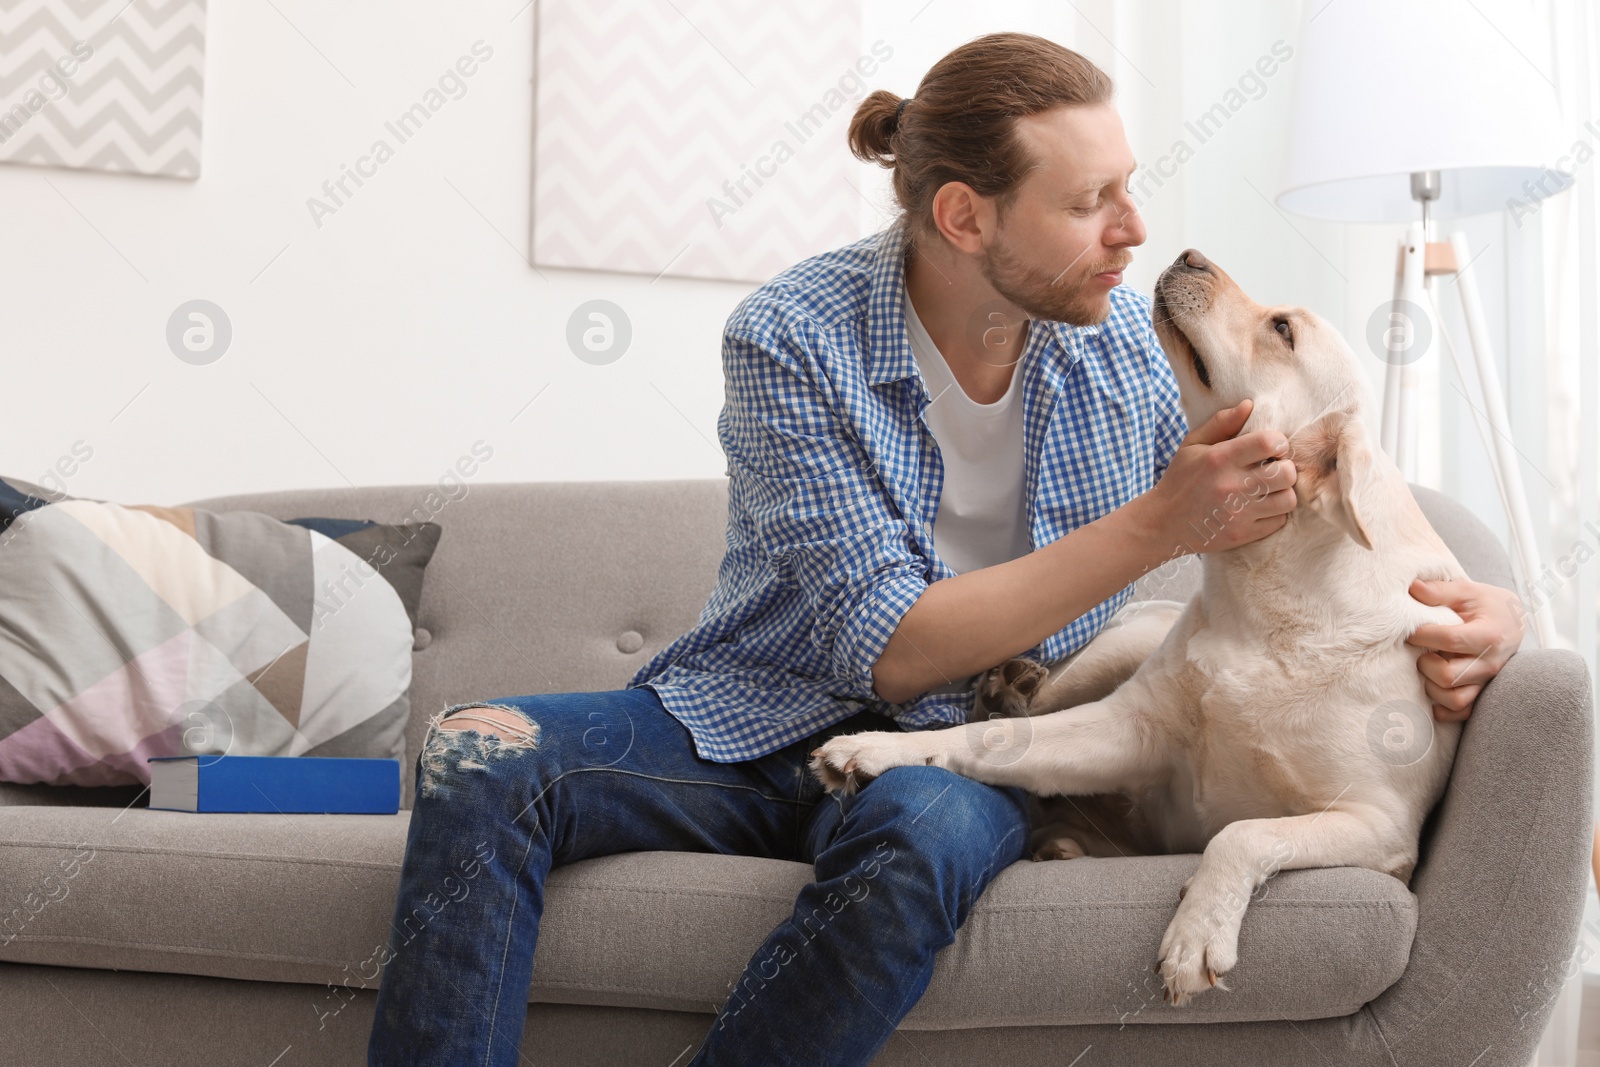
{"x":983,"y":508}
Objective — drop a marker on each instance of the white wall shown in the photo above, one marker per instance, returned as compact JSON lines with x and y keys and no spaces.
{"x":377,"y":347}
{"x":374,"y":349}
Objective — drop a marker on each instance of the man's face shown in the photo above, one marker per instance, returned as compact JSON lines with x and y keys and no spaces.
{"x":1064,"y":239}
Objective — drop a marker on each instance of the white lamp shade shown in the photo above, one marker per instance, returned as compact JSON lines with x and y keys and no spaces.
{"x":1387,"y":87}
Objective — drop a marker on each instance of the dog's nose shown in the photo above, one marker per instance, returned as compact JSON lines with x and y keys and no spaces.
{"x":1191,"y":258}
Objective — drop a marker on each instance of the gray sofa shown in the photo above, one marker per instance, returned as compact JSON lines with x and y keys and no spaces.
{"x":247,"y":939}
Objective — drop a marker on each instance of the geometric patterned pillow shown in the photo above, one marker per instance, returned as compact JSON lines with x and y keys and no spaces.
{"x":131,"y":632}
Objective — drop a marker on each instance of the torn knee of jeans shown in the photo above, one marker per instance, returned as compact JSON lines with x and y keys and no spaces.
{"x":465,"y":737}
{"x":499,"y":720}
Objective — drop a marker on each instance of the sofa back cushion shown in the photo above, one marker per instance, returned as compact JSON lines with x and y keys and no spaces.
{"x":571,"y":586}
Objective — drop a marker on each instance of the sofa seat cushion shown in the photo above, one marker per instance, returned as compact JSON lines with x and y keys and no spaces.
{"x":309,"y":898}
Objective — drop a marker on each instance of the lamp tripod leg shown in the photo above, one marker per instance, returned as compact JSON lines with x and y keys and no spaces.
{"x":1389,"y":427}
{"x":1408,"y":340}
{"x":1508,"y":475}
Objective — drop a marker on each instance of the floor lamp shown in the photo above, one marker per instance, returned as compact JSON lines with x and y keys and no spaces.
{"x":1403,"y":113}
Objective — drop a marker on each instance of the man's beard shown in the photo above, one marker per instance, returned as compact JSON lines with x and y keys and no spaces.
{"x":1053,"y":294}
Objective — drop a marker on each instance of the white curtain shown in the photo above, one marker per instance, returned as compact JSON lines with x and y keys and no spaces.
{"x":1571,"y":372}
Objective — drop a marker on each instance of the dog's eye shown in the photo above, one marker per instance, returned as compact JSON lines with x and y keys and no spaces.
{"x":1282,"y":326}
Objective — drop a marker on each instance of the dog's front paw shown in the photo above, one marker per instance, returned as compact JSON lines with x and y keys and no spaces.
{"x":1200,"y":946}
{"x":846,"y":763}
{"x":1045,"y":844}
{"x":1008,"y":690}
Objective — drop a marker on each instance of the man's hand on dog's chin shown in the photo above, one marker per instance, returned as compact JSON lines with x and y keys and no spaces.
{"x":1460,"y":659}
{"x":1248,"y":478}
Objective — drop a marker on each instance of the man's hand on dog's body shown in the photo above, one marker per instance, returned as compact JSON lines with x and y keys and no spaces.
{"x":1221,"y":491}
{"x":1461,"y":658}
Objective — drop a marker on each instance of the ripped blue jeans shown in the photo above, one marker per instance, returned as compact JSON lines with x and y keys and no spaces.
{"x":600,"y":773}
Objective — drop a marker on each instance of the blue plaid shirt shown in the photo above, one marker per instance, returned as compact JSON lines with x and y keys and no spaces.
{"x":834,"y":483}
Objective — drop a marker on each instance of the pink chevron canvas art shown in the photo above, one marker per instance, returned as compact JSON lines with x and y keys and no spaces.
{"x":701,"y":138}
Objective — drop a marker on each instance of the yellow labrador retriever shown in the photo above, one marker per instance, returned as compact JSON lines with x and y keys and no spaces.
{"x":1276,"y":721}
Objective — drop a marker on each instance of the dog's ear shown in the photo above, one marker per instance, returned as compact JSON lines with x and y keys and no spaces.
{"x":1333,"y":459}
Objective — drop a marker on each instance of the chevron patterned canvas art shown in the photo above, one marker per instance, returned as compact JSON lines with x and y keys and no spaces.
{"x":103,"y":84}
{"x":703,"y":138}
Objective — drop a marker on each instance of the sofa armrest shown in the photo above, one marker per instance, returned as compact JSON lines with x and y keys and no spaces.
{"x":1504,"y":869}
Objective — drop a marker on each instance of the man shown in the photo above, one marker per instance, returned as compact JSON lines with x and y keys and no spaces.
{"x":949,"y":444}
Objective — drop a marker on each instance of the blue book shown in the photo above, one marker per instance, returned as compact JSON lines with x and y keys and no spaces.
{"x":282,"y":784}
